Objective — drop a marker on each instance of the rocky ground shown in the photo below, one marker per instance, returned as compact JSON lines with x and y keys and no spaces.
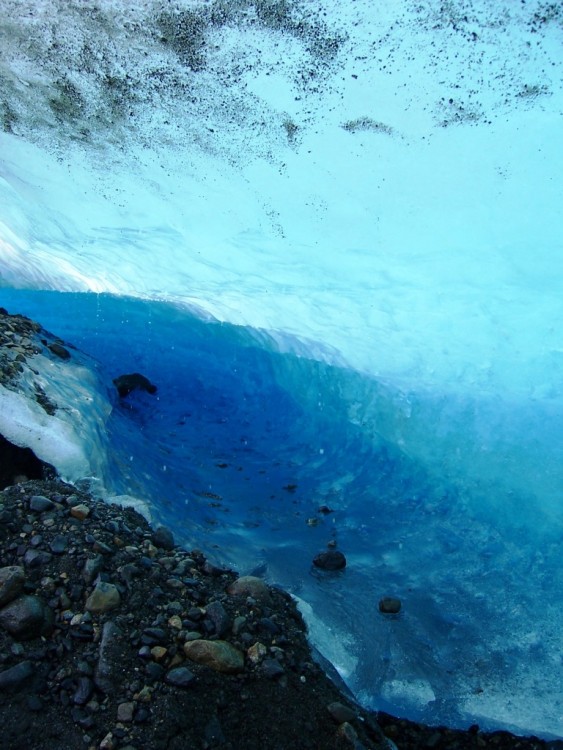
{"x":113,"y":637}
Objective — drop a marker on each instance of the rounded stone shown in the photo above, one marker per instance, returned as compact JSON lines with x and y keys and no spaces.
{"x":40,"y":503}
{"x":220,"y":656}
{"x":250,"y":586}
{"x":180,"y":677}
{"x":163,"y":538}
{"x":389,"y":605}
{"x":330,"y":560}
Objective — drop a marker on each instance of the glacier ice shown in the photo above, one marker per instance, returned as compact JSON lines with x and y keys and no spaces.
{"x":331,"y":236}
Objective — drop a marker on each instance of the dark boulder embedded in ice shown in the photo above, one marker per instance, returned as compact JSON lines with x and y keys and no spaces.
{"x":389,"y":605}
{"x":330,"y":560}
{"x":134,"y":381}
{"x":59,"y":350}
{"x":20,"y":464}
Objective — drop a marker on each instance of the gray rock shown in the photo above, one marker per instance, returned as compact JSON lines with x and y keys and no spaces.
{"x":272,"y":668}
{"x":217,"y":615}
{"x":84,"y":690}
{"x":59,"y":545}
{"x":15,"y":676}
{"x":107,"y":668}
{"x":24,"y":617}
{"x":250,"y":586}
{"x":92,"y":567}
{"x":40,"y":503}
{"x":12,"y":579}
{"x":125,"y":712}
{"x":36,"y":558}
{"x":220,"y":656}
{"x":180,"y":677}
{"x":163,"y":538}
{"x":104,"y":598}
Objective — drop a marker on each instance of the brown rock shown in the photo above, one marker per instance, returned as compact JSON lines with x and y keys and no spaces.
{"x":80,"y":511}
{"x":218,"y":655}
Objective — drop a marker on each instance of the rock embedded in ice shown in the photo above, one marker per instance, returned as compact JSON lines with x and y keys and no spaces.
{"x":59,"y":350}
{"x":389,"y":605}
{"x":132,"y":382}
{"x":331,"y":560}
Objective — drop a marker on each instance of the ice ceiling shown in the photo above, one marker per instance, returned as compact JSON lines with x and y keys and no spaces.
{"x":383,"y":178}
{"x":374,"y":184}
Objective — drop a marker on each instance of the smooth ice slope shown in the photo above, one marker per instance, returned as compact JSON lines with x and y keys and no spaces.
{"x":371,"y":185}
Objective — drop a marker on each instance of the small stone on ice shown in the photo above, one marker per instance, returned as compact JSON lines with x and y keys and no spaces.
{"x":389,"y":606}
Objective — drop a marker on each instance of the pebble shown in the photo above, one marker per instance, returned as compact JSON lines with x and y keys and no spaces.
{"x":12,"y":579}
{"x":220,"y":656}
{"x":272,"y":668}
{"x":125,"y":712}
{"x":180,"y":677}
{"x":59,"y":545}
{"x":103,"y":598}
{"x":83,"y":691}
{"x":80,"y":511}
{"x":256,"y":652}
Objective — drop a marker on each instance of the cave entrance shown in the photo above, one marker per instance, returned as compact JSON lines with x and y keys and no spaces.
{"x":20,"y":464}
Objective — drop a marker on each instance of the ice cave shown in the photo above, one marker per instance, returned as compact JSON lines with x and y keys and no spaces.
{"x":330,"y":232}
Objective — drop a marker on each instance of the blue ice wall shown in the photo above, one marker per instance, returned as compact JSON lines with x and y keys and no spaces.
{"x":360,"y":205}
{"x":243,"y":444}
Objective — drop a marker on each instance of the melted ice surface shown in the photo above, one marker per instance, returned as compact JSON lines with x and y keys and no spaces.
{"x":372,"y":192}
